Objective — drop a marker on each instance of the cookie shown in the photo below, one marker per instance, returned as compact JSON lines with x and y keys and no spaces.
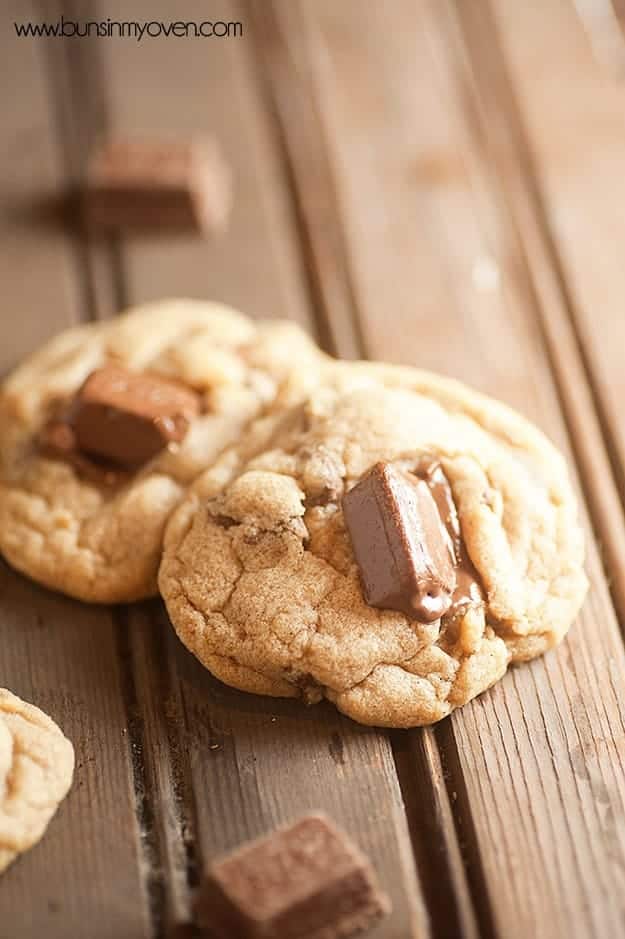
{"x":36,"y":769}
{"x":102,"y":430}
{"x":269,"y":568}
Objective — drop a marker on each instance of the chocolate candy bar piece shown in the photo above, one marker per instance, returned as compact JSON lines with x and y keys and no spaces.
{"x":149,"y":184}
{"x":468,"y":588}
{"x":127,"y":417}
{"x":401,"y":544}
{"x":57,"y":440}
{"x":307,"y":881}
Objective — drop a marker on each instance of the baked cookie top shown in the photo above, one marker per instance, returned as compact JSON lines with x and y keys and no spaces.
{"x":259,"y":571}
{"x":36,"y":769}
{"x":84,"y":526}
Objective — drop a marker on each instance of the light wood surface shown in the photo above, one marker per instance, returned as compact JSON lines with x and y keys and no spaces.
{"x":438,"y":183}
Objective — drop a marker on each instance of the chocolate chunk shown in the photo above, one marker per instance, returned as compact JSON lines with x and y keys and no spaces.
{"x":468,"y":588}
{"x":307,"y":881}
{"x":149,"y":184}
{"x":57,"y":440}
{"x":400,"y":543}
{"x":128,"y":417}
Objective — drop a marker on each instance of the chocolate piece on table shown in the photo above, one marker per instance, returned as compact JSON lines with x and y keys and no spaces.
{"x":148,"y":184}
{"x":127,"y":417}
{"x":400,"y":543}
{"x":306,"y":881}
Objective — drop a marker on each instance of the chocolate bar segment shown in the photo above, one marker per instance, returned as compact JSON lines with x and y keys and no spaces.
{"x":57,"y":440}
{"x":468,"y":587}
{"x":307,"y":881}
{"x":400,"y":543}
{"x":148,"y":184}
{"x":127,"y":417}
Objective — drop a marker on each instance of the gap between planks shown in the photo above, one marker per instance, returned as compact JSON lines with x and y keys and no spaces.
{"x":72,"y":77}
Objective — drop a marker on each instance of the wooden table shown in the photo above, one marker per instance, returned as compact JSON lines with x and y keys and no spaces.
{"x":422,"y":181}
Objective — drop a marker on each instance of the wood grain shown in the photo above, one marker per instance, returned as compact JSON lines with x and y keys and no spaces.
{"x":86,"y":876}
{"x":428,"y":799}
{"x":30,"y":188}
{"x":571,"y":104}
{"x":503,"y":141}
{"x":441,"y":281}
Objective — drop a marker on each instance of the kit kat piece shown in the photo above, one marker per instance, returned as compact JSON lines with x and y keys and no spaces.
{"x":401,"y":544}
{"x":145,"y":184}
{"x":307,"y":881}
{"x":128,"y":417}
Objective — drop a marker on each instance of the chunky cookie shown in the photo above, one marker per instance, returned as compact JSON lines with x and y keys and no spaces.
{"x":102,"y":430}
{"x":36,"y":769}
{"x":392,"y":544}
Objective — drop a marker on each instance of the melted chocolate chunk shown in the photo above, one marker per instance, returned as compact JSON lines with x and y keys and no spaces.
{"x":307,"y":880}
{"x":407,"y":541}
{"x":401,"y":545}
{"x":120,"y":420}
{"x":58,"y":441}
{"x":128,"y":418}
{"x":468,"y":588}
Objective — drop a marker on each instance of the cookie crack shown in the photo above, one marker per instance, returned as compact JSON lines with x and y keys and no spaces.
{"x":217,"y":609}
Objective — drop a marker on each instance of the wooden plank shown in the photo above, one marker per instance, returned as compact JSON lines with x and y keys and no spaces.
{"x":424,"y":782}
{"x":250,"y":763}
{"x":258,"y":762}
{"x":536,"y":764}
{"x":30,"y":181}
{"x":254,"y":265}
{"x":86,"y":877}
{"x":507,"y":149}
{"x":569,"y":136}
{"x":571,"y":104}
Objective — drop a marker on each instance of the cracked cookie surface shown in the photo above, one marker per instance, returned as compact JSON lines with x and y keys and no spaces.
{"x":259,"y":575}
{"x":102,"y":542}
{"x":36,"y":769}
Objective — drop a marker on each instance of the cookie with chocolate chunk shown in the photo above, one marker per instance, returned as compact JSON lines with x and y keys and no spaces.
{"x":392,"y":544}
{"x":104,"y":428}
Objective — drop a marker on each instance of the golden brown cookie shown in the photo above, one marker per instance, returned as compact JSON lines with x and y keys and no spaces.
{"x":88,"y":523}
{"x":261,"y":580}
{"x":36,"y":768}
